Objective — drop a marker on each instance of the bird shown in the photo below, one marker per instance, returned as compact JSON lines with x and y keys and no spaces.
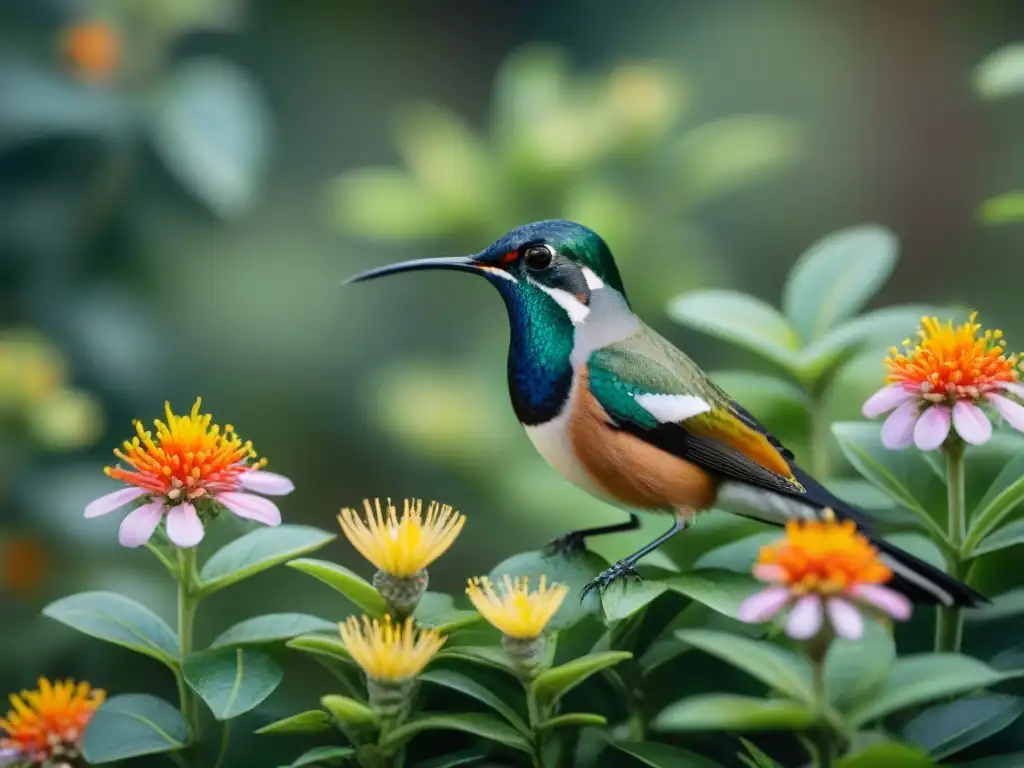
{"x":624,"y":414}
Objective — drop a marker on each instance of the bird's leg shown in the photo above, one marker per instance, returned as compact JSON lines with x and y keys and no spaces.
{"x":627,"y":565}
{"x":574,"y":540}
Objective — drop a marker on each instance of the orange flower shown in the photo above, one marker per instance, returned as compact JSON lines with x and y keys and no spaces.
{"x":48,"y":723}
{"x":93,"y":49}
{"x":822,"y":566}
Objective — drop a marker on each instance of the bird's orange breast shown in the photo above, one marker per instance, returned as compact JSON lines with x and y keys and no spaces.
{"x":636,"y":473}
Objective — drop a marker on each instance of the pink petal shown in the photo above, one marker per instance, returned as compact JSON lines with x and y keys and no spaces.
{"x":971,"y":423}
{"x":884,"y":400}
{"x":112,"y":501}
{"x":804,"y":619}
{"x":763,"y":605}
{"x":898,"y":429}
{"x":1009,"y":410}
{"x":251,"y":507}
{"x":269,"y":483}
{"x":1013,"y":387}
{"x":772,"y":574}
{"x":845,"y":619}
{"x":184,"y":527}
{"x":138,"y":527}
{"x":883,"y":598}
{"x":932,"y":428}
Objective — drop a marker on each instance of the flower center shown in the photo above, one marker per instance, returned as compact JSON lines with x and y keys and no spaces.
{"x":187,"y":458}
{"x":951,"y":362}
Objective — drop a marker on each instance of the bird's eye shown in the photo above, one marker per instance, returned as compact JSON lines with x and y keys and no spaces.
{"x":538,"y":257}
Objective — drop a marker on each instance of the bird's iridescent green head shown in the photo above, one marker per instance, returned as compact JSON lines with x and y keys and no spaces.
{"x":560,"y":260}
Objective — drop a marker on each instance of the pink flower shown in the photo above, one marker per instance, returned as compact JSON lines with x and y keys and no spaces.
{"x":822,"y":570}
{"x":945,"y":383}
{"x":189,"y":470}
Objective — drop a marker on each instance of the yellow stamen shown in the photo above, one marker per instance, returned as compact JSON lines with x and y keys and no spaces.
{"x":387,"y":651}
{"x":516,"y":611}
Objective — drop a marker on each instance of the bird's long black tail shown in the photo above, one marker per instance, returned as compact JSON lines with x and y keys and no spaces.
{"x":920,"y":581}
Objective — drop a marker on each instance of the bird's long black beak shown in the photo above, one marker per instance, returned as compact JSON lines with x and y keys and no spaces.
{"x":459,"y":263}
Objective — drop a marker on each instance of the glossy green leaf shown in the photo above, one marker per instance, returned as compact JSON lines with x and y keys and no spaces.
{"x":836,"y":277}
{"x":743,"y":320}
{"x":947,"y":729}
{"x":272,"y":628}
{"x":779,"y":669}
{"x":738,"y":556}
{"x":727,"y":712}
{"x":756,"y":756}
{"x":484,"y":726}
{"x":211,"y":128}
{"x":575,"y":571}
{"x":886,"y":754}
{"x":485,"y":655}
{"x":855,"y":668}
{"x":462,"y":757}
{"x":437,"y":610}
{"x":552,"y":684}
{"x":1003,"y":496}
{"x":232,"y":681}
{"x":321,"y":756}
{"x":1010,"y":535}
{"x":131,"y":725}
{"x":1006,"y":208}
{"x":904,"y":475}
{"x":709,"y":531}
{"x":622,"y":600}
{"x":257,"y":551}
{"x":321,"y":645}
{"x":349,"y":711}
{"x":1001,"y":73}
{"x":573,"y":720}
{"x":355,"y":588}
{"x":918,"y":679}
{"x":1003,"y":606}
{"x":720,"y":590}
{"x":310,"y":721}
{"x":659,"y":755}
{"x":465,"y":684}
{"x":119,"y":620}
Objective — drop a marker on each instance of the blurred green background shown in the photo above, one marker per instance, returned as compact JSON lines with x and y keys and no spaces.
{"x":184,"y":184}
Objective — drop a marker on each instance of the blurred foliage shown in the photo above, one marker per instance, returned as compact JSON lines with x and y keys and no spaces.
{"x":1000,"y":76}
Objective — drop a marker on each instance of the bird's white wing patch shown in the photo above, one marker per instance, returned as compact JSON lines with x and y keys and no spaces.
{"x":671,"y":409}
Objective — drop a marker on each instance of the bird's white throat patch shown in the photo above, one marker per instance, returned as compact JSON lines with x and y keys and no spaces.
{"x":576,"y":309}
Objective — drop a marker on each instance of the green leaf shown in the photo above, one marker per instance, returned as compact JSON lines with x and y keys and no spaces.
{"x":573,"y":720}
{"x":777,"y":668}
{"x":484,"y":655}
{"x":484,"y":726}
{"x":323,"y":756}
{"x":232,"y":681}
{"x":349,"y":711}
{"x":355,"y":588}
{"x":743,"y":320}
{"x":904,"y":475}
{"x":738,"y":556}
{"x":119,"y":620}
{"x":437,"y":610}
{"x":1003,"y":496}
{"x":310,"y":721}
{"x":727,"y":712}
{"x":855,"y":668}
{"x":836,"y":277}
{"x":1001,"y":73}
{"x":553,"y":684}
{"x":758,"y":757}
{"x":131,"y":725}
{"x":1012,"y":760}
{"x":886,"y":754}
{"x":1007,"y":208}
{"x":709,"y":531}
{"x":922,"y":678}
{"x":272,"y":628}
{"x":211,"y":128}
{"x":627,"y":598}
{"x":720,"y":590}
{"x":386,"y":203}
{"x":659,"y":755}
{"x":257,"y":551}
{"x":949,"y":728}
{"x":773,"y":400}
{"x":457,"y":681}
{"x":575,"y":571}
{"x":321,"y":645}
{"x":454,"y":759}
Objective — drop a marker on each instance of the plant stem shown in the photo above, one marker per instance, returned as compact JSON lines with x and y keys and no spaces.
{"x":533,"y":709}
{"x":225,"y":739}
{"x":949,"y":623}
{"x":822,"y":733}
{"x":187,"y":603}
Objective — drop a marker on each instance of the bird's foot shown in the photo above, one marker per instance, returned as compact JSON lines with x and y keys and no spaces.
{"x":568,"y":544}
{"x":621,"y":570}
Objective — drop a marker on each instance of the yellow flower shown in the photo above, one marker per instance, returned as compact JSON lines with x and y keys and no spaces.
{"x":401,"y":546}
{"x":49,"y":722}
{"x":516,"y":611}
{"x":387,"y":651}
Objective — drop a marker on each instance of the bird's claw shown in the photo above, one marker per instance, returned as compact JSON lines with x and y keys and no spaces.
{"x":568,"y":544}
{"x":621,"y":570}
